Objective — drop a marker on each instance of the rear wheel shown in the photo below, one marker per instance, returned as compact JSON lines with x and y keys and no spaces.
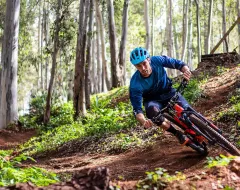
{"x":218,"y":138}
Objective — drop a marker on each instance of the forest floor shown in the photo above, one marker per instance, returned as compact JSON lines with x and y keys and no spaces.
{"x":127,"y":168}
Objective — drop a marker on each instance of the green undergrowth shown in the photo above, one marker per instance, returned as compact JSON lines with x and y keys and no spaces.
{"x":158,"y":179}
{"x":11,"y":171}
{"x":108,"y":115}
{"x":62,"y":128}
{"x":131,"y":138}
{"x":219,"y":161}
{"x":233,"y":112}
{"x":231,"y":115}
{"x":192,"y":91}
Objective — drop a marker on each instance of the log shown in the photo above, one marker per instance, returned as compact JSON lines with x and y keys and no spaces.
{"x":225,"y":35}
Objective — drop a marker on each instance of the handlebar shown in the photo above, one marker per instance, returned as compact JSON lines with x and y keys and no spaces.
{"x":172,"y":101}
{"x":182,"y":86}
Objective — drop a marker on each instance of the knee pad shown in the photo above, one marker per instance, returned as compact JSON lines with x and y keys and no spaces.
{"x":151,"y":111}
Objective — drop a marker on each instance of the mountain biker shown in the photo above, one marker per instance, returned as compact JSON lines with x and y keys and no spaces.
{"x":151,"y":83}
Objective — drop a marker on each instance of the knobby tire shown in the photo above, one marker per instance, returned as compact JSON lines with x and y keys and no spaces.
{"x":222,"y":141}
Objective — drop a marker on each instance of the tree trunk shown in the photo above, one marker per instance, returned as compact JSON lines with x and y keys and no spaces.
{"x":89,"y":55}
{"x":79,"y":80}
{"x":189,"y":60}
{"x":105,"y":79}
{"x":224,"y":24}
{"x":70,"y":85}
{"x":153,"y":16}
{"x":39,"y":46}
{"x":176,"y":42}
{"x":185,"y":29}
{"x":46,"y":34}
{"x":113,"y":46}
{"x":9,"y":61}
{"x":238,"y":9}
{"x":94,"y":67}
{"x":146,"y":19}
{"x":169,"y":37}
{"x":41,"y":51}
{"x":54,"y":62}
{"x":205,"y":7}
{"x":99,"y":65}
{"x":209,"y":26}
{"x":122,"y":49}
{"x":169,"y":34}
{"x":198,"y":31}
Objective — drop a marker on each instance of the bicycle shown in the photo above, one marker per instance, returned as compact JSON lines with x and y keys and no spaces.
{"x":198,"y":129}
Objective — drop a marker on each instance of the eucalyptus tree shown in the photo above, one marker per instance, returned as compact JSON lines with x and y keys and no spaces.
{"x":79,"y":100}
{"x":209,"y":25}
{"x":54,"y":60}
{"x":190,"y":35}
{"x":146,"y":21}
{"x":89,"y":55}
{"x":238,"y":11}
{"x":224,"y":25}
{"x":99,"y":60}
{"x":115,"y":72}
{"x":185,"y":28}
{"x":122,"y":49}
{"x":198,"y":30}
{"x":105,"y":79}
{"x":9,"y":63}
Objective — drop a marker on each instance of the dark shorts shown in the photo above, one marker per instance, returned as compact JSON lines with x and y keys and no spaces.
{"x":152,"y":107}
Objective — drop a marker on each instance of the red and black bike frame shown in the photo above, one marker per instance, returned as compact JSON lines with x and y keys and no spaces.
{"x":181,"y":115}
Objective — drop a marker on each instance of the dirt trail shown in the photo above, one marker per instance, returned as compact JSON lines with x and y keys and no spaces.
{"x":131,"y":165}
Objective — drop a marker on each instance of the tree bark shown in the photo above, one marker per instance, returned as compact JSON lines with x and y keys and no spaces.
{"x":176,"y":43}
{"x":238,"y":10}
{"x":105,"y":79}
{"x":54,"y":62}
{"x":190,"y":54}
{"x":89,"y":55}
{"x":209,"y":25}
{"x":169,"y":36}
{"x":46,"y":34}
{"x":113,"y":46}
{"x":224,"y":24}
{"x":9,"y":61}
{"x":146,"y":19}
{"x":99,"y":64}
{"x":122,"y":49}
{"x":153,"y":6}
{"x":185,"y":29}
{"x":198,"y":31}
{"x":79,"y":80}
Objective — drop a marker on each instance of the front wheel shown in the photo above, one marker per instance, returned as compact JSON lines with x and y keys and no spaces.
{"x":218,"y":138}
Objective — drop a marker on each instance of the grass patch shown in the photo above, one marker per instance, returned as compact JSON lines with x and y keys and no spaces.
{"x":11,"y":171}
{"x":158,"y":179}
{"x":219,"y":161}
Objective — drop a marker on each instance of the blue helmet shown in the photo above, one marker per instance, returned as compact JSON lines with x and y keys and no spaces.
{"x":138,"y":55}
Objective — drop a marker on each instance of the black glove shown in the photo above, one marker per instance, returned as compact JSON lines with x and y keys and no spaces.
{"x":158,"y":120}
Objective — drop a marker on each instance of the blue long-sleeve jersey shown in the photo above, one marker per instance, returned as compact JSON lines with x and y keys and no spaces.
{"x":154,"y":86}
